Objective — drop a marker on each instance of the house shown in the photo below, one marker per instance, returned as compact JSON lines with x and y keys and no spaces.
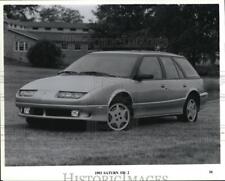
{"x":73,"y":39}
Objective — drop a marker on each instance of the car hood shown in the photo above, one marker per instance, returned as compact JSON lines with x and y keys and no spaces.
{"x":80,"y":83}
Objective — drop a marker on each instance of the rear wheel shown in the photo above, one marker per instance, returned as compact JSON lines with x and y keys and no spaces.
{"x":119,"y":116}
{"x":190,"y":110}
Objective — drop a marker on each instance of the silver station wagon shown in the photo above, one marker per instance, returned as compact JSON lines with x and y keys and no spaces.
{"x":116,"y":87}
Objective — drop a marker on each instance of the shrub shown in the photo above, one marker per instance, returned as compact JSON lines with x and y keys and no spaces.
{"x":208,"y":70}
{"x":45,"y":54}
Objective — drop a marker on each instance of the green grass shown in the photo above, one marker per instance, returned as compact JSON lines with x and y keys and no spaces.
{"x":153,"y":141}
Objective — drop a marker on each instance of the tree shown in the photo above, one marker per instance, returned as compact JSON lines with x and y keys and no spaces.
{"x":21,"y":12}
{"x":119,"y":20}
{"x":60,"y":14}
{"x":44,"y":54}
{"x":191,"y":30}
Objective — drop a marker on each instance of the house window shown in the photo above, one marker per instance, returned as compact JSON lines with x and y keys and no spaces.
{"x":77,"y":46}
{"x":21,"y":46}
{"x":35,"y":28}
{"x":60,"y":29}
{"x":73,"y":29}
{"x":85,"y":29}
{"x":17,"y":45}
{"x":64,"y":45}
{"x":26,"y":46}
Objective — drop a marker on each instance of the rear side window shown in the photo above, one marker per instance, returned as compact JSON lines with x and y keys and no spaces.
{"x":180,"y":73}
{"x":187,"y":68}
{"x":171,"y":71}
{"x":150,"y":65}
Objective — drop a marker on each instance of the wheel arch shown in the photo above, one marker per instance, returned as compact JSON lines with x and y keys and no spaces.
{"x":117,"y":96}
{"x":194,"y":93}
{"x":120,"y":93}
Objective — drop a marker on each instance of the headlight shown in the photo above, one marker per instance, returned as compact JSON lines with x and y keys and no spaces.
{"x":70,"y":95}
{"x":27,"y":93}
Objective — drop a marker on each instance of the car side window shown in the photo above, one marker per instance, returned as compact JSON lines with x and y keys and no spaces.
{"x":180,"y":73}
{"x":170,"y":69}
{"x":187,"y":68}
{"x":150,"y":65}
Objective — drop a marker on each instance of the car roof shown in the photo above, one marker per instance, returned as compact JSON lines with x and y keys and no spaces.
{"x":138,"y":52}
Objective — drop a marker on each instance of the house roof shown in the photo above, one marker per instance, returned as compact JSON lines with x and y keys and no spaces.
{"x":47,"y":24}
{"x":53,"y":36}
{"x":26,"y":34}
{"x":50,"y":35}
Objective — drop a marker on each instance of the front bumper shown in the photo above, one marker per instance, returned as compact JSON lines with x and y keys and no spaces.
{"x":59,"y":111}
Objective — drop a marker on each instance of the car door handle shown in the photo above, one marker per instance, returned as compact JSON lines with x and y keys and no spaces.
{"x":184,"y":85}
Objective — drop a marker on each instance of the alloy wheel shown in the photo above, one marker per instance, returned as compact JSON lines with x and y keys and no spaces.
{"x":118,"y":116}
{"x":191,"y":110}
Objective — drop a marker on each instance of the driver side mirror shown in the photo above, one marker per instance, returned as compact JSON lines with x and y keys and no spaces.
{"x":140,"y":77}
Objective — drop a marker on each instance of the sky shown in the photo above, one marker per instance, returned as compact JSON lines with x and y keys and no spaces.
{"x":85,"y":10}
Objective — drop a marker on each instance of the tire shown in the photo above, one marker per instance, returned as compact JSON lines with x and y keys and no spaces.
{"x":33,"y":122}
{"x":190,"y":110}
{"x":119,"y":116}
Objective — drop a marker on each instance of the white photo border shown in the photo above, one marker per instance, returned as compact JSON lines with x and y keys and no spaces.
{"x":168,"y":172}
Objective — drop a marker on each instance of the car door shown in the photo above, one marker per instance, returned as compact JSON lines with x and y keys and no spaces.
{"x":175,"y":85}
{"x":150,"y":93}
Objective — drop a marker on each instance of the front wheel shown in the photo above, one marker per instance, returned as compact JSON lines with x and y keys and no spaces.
{"x":190,"y":111}
{"x":119,"y":116}
{"x":33,"y":122}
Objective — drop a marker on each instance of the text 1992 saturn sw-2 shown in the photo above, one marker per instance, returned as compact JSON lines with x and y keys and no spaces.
{"x":116,"y":87}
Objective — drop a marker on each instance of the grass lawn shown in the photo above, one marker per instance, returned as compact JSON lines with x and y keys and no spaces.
{"x":154,"y":141}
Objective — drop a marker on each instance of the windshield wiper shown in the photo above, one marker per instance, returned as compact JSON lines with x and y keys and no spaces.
{"x":96,"y":73}
{"x":68,"y":72}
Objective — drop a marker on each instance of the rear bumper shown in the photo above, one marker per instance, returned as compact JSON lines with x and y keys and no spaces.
{"x":203,"y":99}
{"x":53,"y":111}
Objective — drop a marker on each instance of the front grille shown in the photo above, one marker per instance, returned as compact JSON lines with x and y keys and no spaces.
{"x":36,"y":111}
{"x":58,"y":112}
{"x":48,"y":112}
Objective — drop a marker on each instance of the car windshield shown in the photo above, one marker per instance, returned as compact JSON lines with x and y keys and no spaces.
{"x":99,"y":64}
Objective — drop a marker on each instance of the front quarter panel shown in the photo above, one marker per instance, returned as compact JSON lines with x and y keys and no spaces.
{"x":104,"y":94}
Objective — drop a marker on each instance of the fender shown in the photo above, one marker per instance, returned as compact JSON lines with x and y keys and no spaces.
{"x":191,"y":90}
{"x":117,"y":92}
